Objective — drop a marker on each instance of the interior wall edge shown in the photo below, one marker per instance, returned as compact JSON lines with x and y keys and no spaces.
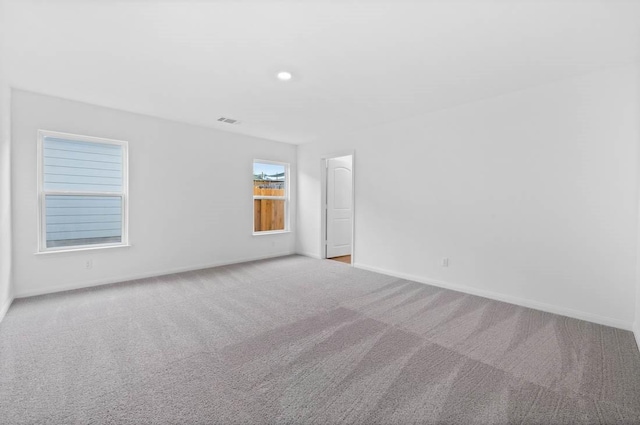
{"x":309,"y":254}
{"x":549,"y":308}
{"x":6,"y":241}
{"x":100,"y":282}
{"x":5,"y":308}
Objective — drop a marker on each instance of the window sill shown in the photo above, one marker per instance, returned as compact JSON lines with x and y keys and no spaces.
{"x":83,"y":249}
{"x":271,"y":232}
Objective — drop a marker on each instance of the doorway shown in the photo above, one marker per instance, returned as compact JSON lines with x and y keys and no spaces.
{"x":338,"y":208}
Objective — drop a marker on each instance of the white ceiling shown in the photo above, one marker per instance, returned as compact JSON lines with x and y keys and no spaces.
{"x":355,"y":63}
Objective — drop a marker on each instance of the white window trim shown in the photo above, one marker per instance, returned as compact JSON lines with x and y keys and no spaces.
{"x":285,"y":198}
{"x":42,"y":236}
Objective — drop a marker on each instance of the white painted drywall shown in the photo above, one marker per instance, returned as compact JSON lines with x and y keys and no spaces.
{"x":5,"y":180}
{"x":532,"y":196}
{"x":636,"y":325}
{"x":190,"y":196}
{"x":6,"y":293}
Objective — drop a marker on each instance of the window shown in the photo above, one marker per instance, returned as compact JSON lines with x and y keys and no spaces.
{"x":82,"y":191}
{"x":270,"y":196}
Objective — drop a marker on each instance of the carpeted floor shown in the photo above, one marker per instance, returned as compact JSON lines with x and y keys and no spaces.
{"x":295,"y":341}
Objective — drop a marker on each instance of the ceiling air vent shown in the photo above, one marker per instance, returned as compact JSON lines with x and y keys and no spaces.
{"x":228,"y":120}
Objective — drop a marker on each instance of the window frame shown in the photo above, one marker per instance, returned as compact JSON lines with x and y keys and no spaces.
{"x":124,"y":194}
{"x":285,"y":198}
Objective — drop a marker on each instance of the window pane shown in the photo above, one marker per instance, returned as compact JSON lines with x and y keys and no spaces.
{"x":268,"y":214}
{"x":82,"y":166}
{"x":268,"y":179}
{"x":83,"y":220}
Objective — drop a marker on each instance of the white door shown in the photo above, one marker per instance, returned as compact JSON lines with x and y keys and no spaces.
{"x":339,"y":208}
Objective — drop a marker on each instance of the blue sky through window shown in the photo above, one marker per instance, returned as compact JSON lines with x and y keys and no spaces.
{"x":267,"y":169}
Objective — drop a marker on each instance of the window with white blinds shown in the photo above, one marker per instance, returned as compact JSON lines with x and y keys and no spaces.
{"x":82,"y":191}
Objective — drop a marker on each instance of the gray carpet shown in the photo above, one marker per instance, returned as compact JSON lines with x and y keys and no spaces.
{"x":301,"y":341}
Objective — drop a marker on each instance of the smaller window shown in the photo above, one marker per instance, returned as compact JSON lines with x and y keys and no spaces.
{"x":82,"y":190}
{"x":270,"y":196}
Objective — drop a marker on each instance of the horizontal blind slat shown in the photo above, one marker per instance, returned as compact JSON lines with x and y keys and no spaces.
{"x":81,"y":146}
{"x":82,"y":166}
{"x":78,"y":171}
{"x":80,"y":219}
{"x":80,"y":156}
{"x":77,"y":227}
{"x":102,"y":181}
{"x":90,"y":219}
{"x":82,"y":211}
{"x":82,"y":234}
{"x":113,"y":202}
{"x":78,"y":187}
{"x":73,"y":163}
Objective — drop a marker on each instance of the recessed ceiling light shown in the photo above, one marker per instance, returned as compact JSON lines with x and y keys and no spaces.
{"x":284,"y":76}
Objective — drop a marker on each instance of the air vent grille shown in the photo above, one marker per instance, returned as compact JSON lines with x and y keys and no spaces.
{"x":228,"y":120}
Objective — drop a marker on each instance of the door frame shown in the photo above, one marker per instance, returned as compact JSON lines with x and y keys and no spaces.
{"x":323,"y":202}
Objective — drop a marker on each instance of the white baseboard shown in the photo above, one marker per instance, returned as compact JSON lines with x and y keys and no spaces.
{"x":309,"y":254}
{"x":636,"y":333}
{"x":4,"y":308}
{"x":98,"y":282}
{"x":602,"y":320}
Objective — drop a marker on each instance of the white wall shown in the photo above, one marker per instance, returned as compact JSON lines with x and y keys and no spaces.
{"x":5,"y":182}
{"x":636,"y":327}
{"x":6,"y":293}
{"x":190,"y":196}
{"x":533,"y":196}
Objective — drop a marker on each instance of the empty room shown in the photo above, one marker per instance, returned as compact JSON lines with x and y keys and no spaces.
{"x":319,"y":212}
